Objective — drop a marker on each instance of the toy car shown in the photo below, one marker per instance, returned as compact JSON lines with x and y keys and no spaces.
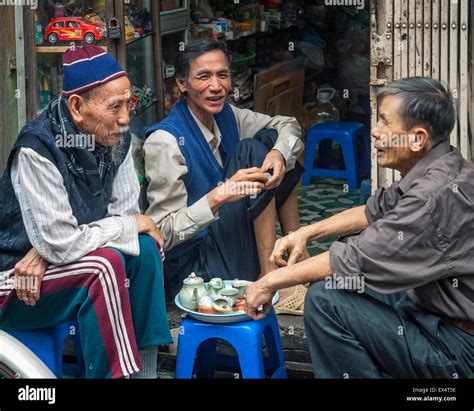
{"x":132,"y":32}
{"x":94,"y":19}
{"x":73,"y":28}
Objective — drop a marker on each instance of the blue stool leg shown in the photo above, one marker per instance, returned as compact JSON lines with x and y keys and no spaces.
{"x":187,"y":347}
{"x":349,"y":152}
{"x":247,"y":341}
{"x":60,"y":333}
{"x":206,"y":359}
{"x":251,"y":361}
{"x":185,"y":360}
{"x":365,"y":191}
{"x":364,"y":142}
{"x":309,"y":153}
{"x":275,"y":349}
{"x":73,"y":369}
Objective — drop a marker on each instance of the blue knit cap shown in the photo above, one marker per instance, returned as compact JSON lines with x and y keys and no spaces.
{"x":88,"y":67}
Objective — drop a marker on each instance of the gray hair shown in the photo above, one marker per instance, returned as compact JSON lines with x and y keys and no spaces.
{"x":425,"y":102}
{"x":194,"y":50}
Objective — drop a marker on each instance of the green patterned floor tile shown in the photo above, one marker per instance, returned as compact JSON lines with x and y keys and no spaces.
{"x":322,"y":200}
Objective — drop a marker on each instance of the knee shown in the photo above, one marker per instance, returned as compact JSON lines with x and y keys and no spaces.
{"x":321,"y":300}
{"x":250,"y":152}
{"x":149,"y":260}
{"x":315,"y":298}
{"x":147,"y":244}
{"x":267,"y":136}
{"x":109,"y":261}
{"x":114,"y":257}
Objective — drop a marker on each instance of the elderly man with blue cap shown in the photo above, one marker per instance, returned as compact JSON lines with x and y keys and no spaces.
{"x":72,"y":240}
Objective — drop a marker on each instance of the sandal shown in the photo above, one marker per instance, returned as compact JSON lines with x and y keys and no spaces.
{"x":290,"y":305}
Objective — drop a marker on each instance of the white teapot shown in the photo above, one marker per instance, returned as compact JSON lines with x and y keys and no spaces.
{"x":191,"y":292}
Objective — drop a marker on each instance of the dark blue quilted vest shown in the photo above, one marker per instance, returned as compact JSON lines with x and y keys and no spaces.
{"x":86,"y":207}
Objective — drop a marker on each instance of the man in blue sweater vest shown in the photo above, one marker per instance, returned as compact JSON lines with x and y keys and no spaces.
{"x":219,"y":176}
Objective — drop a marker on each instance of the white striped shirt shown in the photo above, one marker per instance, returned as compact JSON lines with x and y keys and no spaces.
{"x":50,"y":224}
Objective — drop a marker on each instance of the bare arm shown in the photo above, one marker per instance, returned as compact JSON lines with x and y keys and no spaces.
{"x":344,"y":223}
{"x":261,"y":292}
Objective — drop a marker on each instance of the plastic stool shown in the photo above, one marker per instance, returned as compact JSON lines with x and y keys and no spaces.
{"x":365,"y":191}
{"x":197,"y":337}
{"x":351,"y":137}
{"x":48,"y":344}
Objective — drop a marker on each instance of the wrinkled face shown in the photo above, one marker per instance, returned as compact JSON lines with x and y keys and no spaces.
{"x":106,"y":114}
{"x":207,"y":84}
{"x":393,"y":143}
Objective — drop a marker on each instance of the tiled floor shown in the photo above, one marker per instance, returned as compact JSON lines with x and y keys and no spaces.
{"x":320,"y":200}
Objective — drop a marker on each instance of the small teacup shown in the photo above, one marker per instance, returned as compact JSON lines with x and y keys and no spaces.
{"x":223,"y":305}
{"x":231,"y":293}
{"x":241,"y":286}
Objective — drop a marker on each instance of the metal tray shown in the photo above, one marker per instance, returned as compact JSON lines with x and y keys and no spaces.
{"x":220,"y":318}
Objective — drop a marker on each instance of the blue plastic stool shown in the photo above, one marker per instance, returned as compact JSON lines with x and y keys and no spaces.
{"x":365,"y":191}
{"x":48,"y":344}
{"x":200,"y":338}
{"x":351,"y":137}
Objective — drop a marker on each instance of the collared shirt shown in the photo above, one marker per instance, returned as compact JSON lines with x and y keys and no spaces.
{"x":165,"y":168}
{"x":51,"y":226}
{"x":420,"y":237}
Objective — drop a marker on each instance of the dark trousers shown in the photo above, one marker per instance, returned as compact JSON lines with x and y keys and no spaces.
{"x":371,"y":335}
{"x":229,"y":250}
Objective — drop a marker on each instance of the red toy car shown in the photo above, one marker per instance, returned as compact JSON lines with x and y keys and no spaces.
{"x":73,"y":28}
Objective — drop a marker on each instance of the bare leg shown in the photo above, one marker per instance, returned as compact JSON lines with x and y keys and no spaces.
{"x":289,"y":217}
{"x":265,"y":234}
{"x":265,"y":237}
{"x":290,"y":222}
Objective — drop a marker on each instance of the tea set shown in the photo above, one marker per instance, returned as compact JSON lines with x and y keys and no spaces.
{"x":215,"y":297}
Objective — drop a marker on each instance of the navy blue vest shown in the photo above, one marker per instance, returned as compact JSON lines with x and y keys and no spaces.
{"x":86,"y":207}
{"x":204,"y":171}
